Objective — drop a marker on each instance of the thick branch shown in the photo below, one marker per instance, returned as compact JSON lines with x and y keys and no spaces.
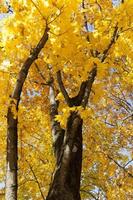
{"x":25,"y":68}
{"x":81,"y":93}
{"x":84,"y":92}
{"x":62,"y":88}
{"x":57,"y":131}
{"x":90,"y":81}
{"x":15,"y":98}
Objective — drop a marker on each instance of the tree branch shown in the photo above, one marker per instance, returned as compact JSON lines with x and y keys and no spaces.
{"x":84,"y":92}
{"x":38,"y":9}
{"x":128,"y":163}
{"x":129,"y":174}
{"x":90,"y":81}
{"x":61,"y":11}
{"x":39,"y":71}
{"x":57,"y":131}
{"x":89,"y":193}
{"x":62,"y":88}
{"x":12,"y":121}
{"x":81,"y":93}
{"x":112,"y":41}
{"x":85,"y":18}
{"x":36,"y":179}
{"x":25,"y":68}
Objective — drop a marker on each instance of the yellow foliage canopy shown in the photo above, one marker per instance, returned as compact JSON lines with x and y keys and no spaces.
{"x":80,"y":36}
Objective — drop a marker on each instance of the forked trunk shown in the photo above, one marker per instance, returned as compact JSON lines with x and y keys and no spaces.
{"x":68,"y":143}
{"x":66,"y":180}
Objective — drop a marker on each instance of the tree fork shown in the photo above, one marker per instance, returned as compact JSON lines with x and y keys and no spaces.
{"x":66,"y":180}
{"x":68,"y":143}
{"x":12,"y":121}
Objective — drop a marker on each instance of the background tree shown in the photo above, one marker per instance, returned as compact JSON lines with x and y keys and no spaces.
{"x":83,"y":36}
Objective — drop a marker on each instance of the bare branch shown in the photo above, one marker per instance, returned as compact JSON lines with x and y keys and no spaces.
{"x":113,"y":125}
{"x":10,"y":10}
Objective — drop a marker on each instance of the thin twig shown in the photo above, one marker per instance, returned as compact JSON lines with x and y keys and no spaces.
{"x":112,"y":41}
{"x":39,"y":71}
{"x":59,"y":33}
{"x":128,"y":163}
{"x":61,"y":11}
{"x":125,"y":170}
{"x":38,"y":9}
{"x":100,"y":8}
{"x":130,"y":28}
{"x":39,"y":186}
{"x":85,"y":18}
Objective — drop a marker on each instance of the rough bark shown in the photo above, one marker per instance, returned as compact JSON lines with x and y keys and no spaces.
{"x":12,"y":121}
{"x":68,"y":143}
{"x":66,"y":180}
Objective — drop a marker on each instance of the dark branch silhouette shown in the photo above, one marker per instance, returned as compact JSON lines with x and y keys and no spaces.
{"x":84,"y":91}
{"x":112,"y":41}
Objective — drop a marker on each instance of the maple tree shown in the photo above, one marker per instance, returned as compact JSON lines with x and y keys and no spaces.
{"x":66,"y":73}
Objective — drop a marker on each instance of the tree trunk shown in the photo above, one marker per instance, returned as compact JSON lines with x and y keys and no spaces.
{"x":11,"y":173}
{"x":66,"y":180}
{"x":68,"y":143}
{"x":12,"y":121}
